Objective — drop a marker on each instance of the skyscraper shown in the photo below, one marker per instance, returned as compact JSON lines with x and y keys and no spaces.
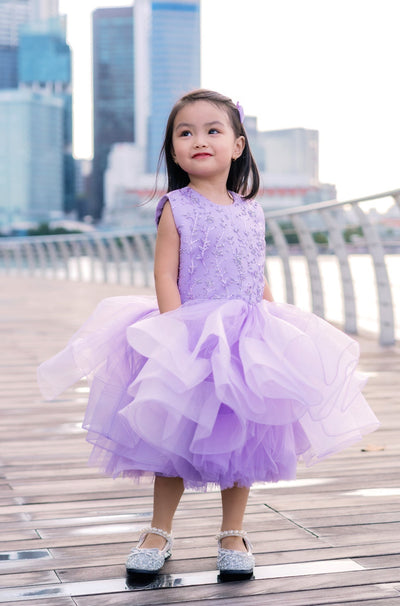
{"x":113,"y":90}
{"x":167,"y":64}
{"x":41,"y":10}
{"x":12,"y":15}
{"x":31,"y":154}
{"x":135,"y":88}
{"x":44,"y":64}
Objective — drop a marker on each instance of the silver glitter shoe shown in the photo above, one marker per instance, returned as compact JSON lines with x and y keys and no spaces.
{"x":232,"y":564}
{"x":149,"y":561}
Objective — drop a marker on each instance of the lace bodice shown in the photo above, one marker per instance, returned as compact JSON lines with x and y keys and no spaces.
{"x":222,"y":248}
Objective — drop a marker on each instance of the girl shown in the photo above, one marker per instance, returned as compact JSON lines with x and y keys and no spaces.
{"x":213,"y":382}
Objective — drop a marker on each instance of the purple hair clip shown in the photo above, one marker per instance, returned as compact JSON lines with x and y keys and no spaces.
{"x":241,"y":112}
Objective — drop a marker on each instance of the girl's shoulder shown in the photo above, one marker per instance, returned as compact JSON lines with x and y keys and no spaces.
{"x":175,"y":197}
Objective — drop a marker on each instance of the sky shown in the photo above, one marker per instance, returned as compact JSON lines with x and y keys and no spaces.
{"x":329,"y":65}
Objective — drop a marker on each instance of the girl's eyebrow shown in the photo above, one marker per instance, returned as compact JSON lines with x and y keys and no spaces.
{"x":187,"y":125}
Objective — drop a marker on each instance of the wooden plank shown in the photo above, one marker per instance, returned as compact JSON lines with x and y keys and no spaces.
{"x":54,"y":601}
{"x":49,"y":497}
{"x":367,"y":596}
{"x":29,"y":578}
{"x":349,"y":584}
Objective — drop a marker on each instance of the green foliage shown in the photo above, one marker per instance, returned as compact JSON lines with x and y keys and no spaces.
{"x":320,"y":237}
{"x":291,"y":237}
{"x":289,"y":232}
{"x":349,"y":232}
{"x":43,"y":229}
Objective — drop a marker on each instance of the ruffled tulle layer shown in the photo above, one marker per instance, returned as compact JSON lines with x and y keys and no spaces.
{"x":217,"y":391}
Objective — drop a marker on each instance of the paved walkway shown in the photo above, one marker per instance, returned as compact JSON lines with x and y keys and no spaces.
{"x":331,"y":537}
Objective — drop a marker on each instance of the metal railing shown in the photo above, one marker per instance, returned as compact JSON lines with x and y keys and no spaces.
{"x":332,"y":221}
{"x":310,"y":232}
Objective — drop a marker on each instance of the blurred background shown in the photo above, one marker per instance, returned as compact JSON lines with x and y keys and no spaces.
{"x":85,"y":89}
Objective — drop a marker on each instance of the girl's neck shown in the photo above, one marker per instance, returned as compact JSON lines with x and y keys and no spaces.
{"x":215,"y":192}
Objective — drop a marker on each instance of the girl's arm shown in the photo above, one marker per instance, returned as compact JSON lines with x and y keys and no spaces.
{"x":267,"y":294}
{"x":166,"y":262}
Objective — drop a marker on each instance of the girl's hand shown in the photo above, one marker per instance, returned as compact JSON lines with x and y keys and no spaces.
{"x":166,"y":262}
{"x":267,"y":294}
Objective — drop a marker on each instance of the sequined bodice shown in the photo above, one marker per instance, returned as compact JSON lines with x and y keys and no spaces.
{"x":222,"y":248}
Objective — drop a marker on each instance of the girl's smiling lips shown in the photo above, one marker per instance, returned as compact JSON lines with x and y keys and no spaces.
{"x":202,"y":155}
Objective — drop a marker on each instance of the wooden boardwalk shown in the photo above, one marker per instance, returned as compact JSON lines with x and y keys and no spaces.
{"x":331,"y":537}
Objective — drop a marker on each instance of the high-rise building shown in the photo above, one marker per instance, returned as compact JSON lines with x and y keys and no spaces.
{"x":41,"y":10}
{"x":12,"y":15}
{"x":44,"y":56}
{"x":44,"y":64}
{"x":166,"y":51}
{"x":291,"y":151}
{"x":113,"y":90}
{"x":31,"y":156}
{"x":167,"y":65}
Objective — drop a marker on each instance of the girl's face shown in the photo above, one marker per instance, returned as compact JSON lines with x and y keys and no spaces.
{"x":203,"y":141}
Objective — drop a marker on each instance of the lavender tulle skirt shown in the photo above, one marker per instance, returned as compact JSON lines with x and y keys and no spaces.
{"x":217,"y":391}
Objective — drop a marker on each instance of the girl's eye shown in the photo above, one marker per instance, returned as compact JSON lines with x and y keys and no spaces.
{"x":185,"y":133}
{"x":213,"y":131}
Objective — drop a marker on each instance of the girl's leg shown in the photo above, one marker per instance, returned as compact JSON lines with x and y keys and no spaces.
{"x":167,"y":494}
{"x":234,"y":501}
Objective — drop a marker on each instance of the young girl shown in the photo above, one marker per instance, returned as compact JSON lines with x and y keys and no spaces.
{"x":213,"y":382}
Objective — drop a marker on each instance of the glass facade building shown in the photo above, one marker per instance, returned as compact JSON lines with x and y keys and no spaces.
{"x":12,"y":15}
{"x":44,"y":65}
{"x":8,"y":67}
{"x":113,"y":91}
{"x":31,"y":156}
{"x":174,"y":64}
{"x":44,"y":55}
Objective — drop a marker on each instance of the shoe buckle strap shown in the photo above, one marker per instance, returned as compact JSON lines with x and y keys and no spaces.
{"x":152,"y":530}
{"x":235,"y":533}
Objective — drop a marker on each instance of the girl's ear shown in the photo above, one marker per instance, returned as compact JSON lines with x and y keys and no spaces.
{"x":238,"y":147}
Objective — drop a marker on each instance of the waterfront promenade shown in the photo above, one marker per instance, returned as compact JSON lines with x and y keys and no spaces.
{"x":332,"y":537}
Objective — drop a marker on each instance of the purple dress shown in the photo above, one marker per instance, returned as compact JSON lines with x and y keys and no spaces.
{"x":228,"y":388}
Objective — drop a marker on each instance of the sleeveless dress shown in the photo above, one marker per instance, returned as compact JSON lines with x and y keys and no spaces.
{"x":228,"y":388}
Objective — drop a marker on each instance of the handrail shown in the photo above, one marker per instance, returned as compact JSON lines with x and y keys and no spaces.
{"x":306,"y":208}
{"x":126,"y":256}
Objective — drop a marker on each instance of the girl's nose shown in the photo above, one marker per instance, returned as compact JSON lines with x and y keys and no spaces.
{"x":199,"y":144}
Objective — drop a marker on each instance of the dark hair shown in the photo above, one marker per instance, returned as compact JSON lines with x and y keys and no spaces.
{"x":243,"y":176}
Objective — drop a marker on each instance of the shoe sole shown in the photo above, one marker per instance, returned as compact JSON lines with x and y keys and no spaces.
{"x":235,"y":575}
{"x":142,"y":573}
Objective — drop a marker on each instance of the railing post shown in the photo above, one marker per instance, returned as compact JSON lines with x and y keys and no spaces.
{"x":311,"y":254}
{"x":40,"y":251}
{"x":19,"y":262}
{"x":129,"y":258}
{"x":7,"y":259}
{"x":374,"y":244}
{"x":339,"y":246}
{"x":116,"y":257}
{"x":101,"y":250}
{"x":30,"y":258}
{"x":52,"y":252}
{"x":65,"y":255}
{"x":89,"y":251}
{"x":283,"y":251}
{"x":76,"y":249}
{"x":144,"y":259}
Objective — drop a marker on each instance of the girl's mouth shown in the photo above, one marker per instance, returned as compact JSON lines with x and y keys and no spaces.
{"x":202,"y":155}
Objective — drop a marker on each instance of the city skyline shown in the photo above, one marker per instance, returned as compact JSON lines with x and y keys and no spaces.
{"x":326,"y":66}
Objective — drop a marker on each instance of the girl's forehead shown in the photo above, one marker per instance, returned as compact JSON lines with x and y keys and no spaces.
{"x":201,"y":111}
